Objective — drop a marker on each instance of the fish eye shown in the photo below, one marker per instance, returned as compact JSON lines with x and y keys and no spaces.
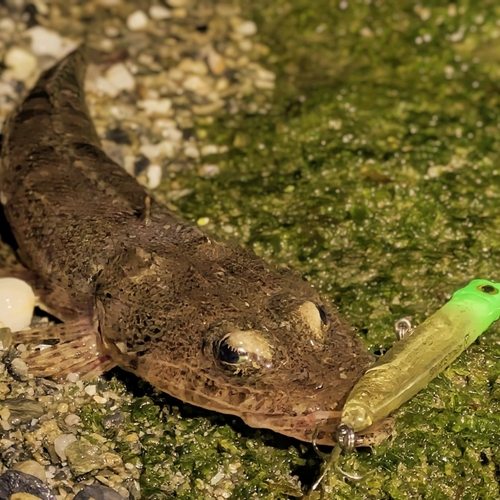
{"x":322,"y":315}
{"x":230,"y":354}
{"x":489,"y":289}
{"x":243,"y":351}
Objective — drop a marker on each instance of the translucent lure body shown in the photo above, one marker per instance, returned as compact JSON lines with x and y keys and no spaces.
{"x":414,"y":361}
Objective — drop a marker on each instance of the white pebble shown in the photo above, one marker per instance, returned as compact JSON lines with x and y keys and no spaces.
{"x":120,"y":78}
{"x":17,"y":302}
{"x":216,"y":62}
{"x":265,"y":74}
{"x":156,"y":107}
{"x":72,"y":419}
{"x":45,"y":42}
{"x":209,"y":149}
{"x":103,"y":86}
{"x":154,"y":176}
{"x":163,"y":148}
{"x":196,"y":84}
{"x":192,"y":66}
{"x":174,"y":134}
{"x":61,"y":443}
{"x":137,"y":21}
{"x":191,"y":151}
{"x":208,"y":171}
{"x":246,"y":28}
{"x":73,"y":377}
{"x":91,"y":390}
{"x":158,"y":12}
{"x":22,"y":63}
{"x":19,"y":367}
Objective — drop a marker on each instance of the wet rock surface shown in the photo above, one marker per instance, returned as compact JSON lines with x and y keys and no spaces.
{"x":13,"y":481}
{"x":17,"y":485}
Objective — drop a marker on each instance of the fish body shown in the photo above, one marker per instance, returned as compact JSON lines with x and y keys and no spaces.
{"x":420,"y":356}
{"x":135,"y":286}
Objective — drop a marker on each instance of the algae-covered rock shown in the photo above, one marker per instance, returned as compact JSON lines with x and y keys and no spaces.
{"x":84,"y":457}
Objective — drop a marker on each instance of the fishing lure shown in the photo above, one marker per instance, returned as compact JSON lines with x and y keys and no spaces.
{"x":414,"y":361}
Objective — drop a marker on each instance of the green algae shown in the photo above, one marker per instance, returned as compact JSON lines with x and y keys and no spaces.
{"x":375,"y":174}
{"x":188,"y":455}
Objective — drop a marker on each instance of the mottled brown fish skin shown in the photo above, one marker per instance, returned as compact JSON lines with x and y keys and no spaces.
{"x":205,"y":321}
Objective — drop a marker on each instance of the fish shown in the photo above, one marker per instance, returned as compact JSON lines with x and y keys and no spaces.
{"x":136,"y":286}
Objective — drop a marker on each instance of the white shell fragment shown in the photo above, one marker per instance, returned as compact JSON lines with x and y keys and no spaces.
{"x":17,"y":302}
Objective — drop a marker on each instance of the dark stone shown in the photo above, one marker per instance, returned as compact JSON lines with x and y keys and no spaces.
{"x":14,"y":481}
{"x":97,"y":492}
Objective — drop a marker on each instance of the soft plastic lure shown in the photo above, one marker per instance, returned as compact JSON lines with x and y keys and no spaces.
{"x":419,"y":357}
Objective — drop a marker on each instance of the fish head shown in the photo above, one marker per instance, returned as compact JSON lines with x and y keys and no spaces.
{"x":221,"y":329}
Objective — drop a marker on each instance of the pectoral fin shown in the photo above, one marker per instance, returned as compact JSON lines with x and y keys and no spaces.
{"x":78,"y":351}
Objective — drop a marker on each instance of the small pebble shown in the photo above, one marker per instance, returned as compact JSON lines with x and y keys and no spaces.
{"x":62,"y":408}
{"x":156,"y":107}
{"x":91,"y":390}
{"x":245,"y":28}
{"x":24,"y":496}
{"x":97,"y":492}
{"x":209,"y":149}
{"x":153,"y":174}
{"x":84,"y":457}
{"x":113,"y":420}
{"x":159,"y":12}
{"x":22,"y":63}
{"x":192,"y":66}
{"x":191,"y":151}
{"x":194,"y":83}
{"x":21,"y":409}
{"x":7,"y":25}
{"x":33,"y":468}
{"x":61,"y":443}
{"x":120,"y":78}
{"x":72,"y":419}
{"x":45,"y":42}
{"x":20,"y":368}
{"x":73,"y":377}
{"x":209,"y":171}
{"x":5,"y":338}
{"x":216,"y":63}
{"x":137,"y":21}
{"x":17,"y":302}
{"x":4,"y":413}
{"x":100,"y":400}
{"x":163,"y":148}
